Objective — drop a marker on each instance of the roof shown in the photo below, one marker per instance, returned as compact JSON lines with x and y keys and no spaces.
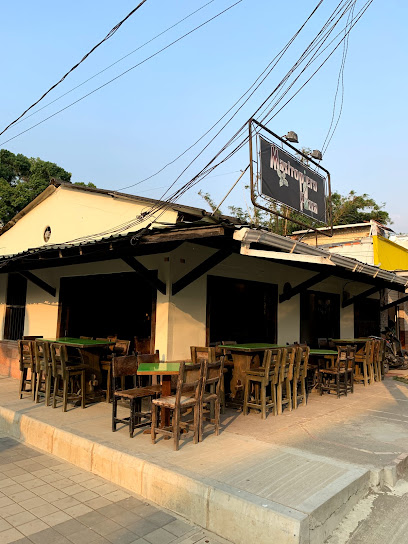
{"x":339,"y":227}
{"x":181,"y":208}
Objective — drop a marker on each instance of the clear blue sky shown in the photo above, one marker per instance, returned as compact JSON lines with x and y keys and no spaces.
{"x":128,"y":130}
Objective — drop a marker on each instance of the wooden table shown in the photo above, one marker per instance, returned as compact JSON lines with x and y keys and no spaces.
{"x":327,"y":354}
{"x":91,"y":352}
{"x":245,"y":356}
{"x":166,"y":370}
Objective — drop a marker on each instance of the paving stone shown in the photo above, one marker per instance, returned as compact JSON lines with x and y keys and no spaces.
{"x":160,"y":536}
{"x":73,"y":489}
{"x":85,"y":495}
{"x":142,"y":527}
{"x":126,"y":518}
{"x":11,"y":509}
{"x":111,"y":510}
{"x":42,"y":490}
{"x":178,"y":527}
{"x":92,"y":518}
{"x":32,"y":527}
{"x":106,"y":527}
{"x":13,"y":489}
{"x":5,"y":525}
{"x":56,"y":518}
{"x":122,"y":536}
{"x":10,"y":535}
{"x":5,"y":501}
{"x":49,"y":536}
{"x":29,"y":504}
{"x":22,"y":496}
{"x":44,"y":510}
{"x":20,"y":518}
{"x":98,"y":503}
{"x":65,"y":503}
{"x":78,"y":510}
{"x":84,"y":536}
{"x":160,"y":518}
{"x":69,"y":527}
{"x":116,"y":496}
{"x":56,"y":495}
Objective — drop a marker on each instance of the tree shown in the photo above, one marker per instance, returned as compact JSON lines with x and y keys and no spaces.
{"x":22,"y":179}
{"x":351,"y":208}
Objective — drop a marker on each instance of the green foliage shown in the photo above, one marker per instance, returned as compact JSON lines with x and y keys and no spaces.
{"x":348,"y":209}
{"x":23,"y":178}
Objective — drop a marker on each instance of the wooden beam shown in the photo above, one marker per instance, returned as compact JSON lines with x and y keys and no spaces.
{"x":360,"y":296}
{"x":199,"y":270}
{"x":395,"y":303}
{"x":145,"y":273}
{"x":39,"y":282}
{"x":303,"y":286}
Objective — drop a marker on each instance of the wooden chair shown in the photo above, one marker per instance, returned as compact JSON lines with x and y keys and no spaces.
{"x":259,"y":380}
{"x":301,"y":366}
{"x":187,"y":397}
{"x":284,"y":385}
{"x":120,"y":349}
{"x":123,"y":367}
{"x":27,"y":363}
{"x":66,"y":370}
{"x":364,"y":361}
{"x":211,"y":394}
{"x":43,"y":365}
{"x":377,"y":356}
{"x":198,"y":353}
{"x":336,"y":378}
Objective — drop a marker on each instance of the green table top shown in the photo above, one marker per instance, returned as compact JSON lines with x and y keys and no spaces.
{"x":250,"y":347}
{"x":158,"y":368}
{"x":77,"y":342}
{"x":323,"y":352}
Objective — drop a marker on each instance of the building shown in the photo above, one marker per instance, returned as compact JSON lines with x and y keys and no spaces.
{"x":79,"y":261}
{"x":377,"y":245}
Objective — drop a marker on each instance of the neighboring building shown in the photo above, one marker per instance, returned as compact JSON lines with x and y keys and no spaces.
{"x":377,"y":245}
{"x":80,"y":261}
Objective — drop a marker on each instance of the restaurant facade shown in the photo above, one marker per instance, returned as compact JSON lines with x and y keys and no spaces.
{"x":84,"y":262}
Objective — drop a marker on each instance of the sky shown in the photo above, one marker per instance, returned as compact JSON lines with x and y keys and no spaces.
{"x":131,"y":128}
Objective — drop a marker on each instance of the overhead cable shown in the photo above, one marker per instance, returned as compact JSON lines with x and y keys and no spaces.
{"x":108,"y":35}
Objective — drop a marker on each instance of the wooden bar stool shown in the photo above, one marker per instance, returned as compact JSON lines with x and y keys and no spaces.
{"x":27,"y":363}
{"x":284,"y":386}
{"x":300,"y":375}
{"x":259,"y":379}
{"x":44,"y":370}
{"x":211,"y":394}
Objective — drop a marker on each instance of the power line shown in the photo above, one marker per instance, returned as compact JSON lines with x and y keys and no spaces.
{"x":116,"y":62}
{"x":108,"y":35}
{"x":125,"y":72}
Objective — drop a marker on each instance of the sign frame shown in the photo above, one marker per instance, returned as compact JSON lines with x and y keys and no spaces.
{"x":329,"y":213}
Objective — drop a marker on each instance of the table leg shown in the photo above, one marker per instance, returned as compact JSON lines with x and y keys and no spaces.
{"x":242,"y":362}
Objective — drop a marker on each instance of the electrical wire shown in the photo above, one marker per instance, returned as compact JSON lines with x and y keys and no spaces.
{"x":125,"y":72}
{"x":116,"y":62}
{"x":108,"y":35}
{"x":328,"y":139}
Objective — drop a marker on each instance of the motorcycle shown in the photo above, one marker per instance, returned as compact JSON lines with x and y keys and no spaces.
{"x":395,"y":356}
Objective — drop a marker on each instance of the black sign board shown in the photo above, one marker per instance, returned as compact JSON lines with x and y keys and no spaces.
{"x":287,"y":180}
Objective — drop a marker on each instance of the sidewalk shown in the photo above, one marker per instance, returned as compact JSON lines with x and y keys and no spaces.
{"x":46,"y":501}
{"x":290,"y":478}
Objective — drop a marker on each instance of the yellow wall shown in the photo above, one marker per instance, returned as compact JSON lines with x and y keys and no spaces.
{"x":389,"y":255}
{"x":71,"y":214}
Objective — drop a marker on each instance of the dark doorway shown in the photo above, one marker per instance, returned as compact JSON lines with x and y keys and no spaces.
{"x":319,"y":316}
{"x":366,"y":318}
{"x":15,"y":307}
{"x":241,"y":310}
{"x":102,"y":305}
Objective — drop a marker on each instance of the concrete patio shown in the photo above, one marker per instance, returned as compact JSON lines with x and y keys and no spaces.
{"x":287,"y":479}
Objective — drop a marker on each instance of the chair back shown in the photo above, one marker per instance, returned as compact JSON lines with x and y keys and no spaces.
{"x":125,"y":365}
{"x":213,"y":374}
{"x":202,"y":353}
{"x":323,"y":343}
{"x":287,"y":363}
{"x":142,"y":345}
{"x":301,"y":362}
{"x":351,"y":357}
{"x":189,"y":380}
{"x":26,"y":354}
{"x":342,"y":360}
{"x":59,"y":358}
{"x":272,"y":361}
{"x":42,"y":356}
{"x":148,"y":357}
{"x":121,"y":347}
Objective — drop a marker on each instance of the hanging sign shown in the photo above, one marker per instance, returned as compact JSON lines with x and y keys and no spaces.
{"x":287,"y":180}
